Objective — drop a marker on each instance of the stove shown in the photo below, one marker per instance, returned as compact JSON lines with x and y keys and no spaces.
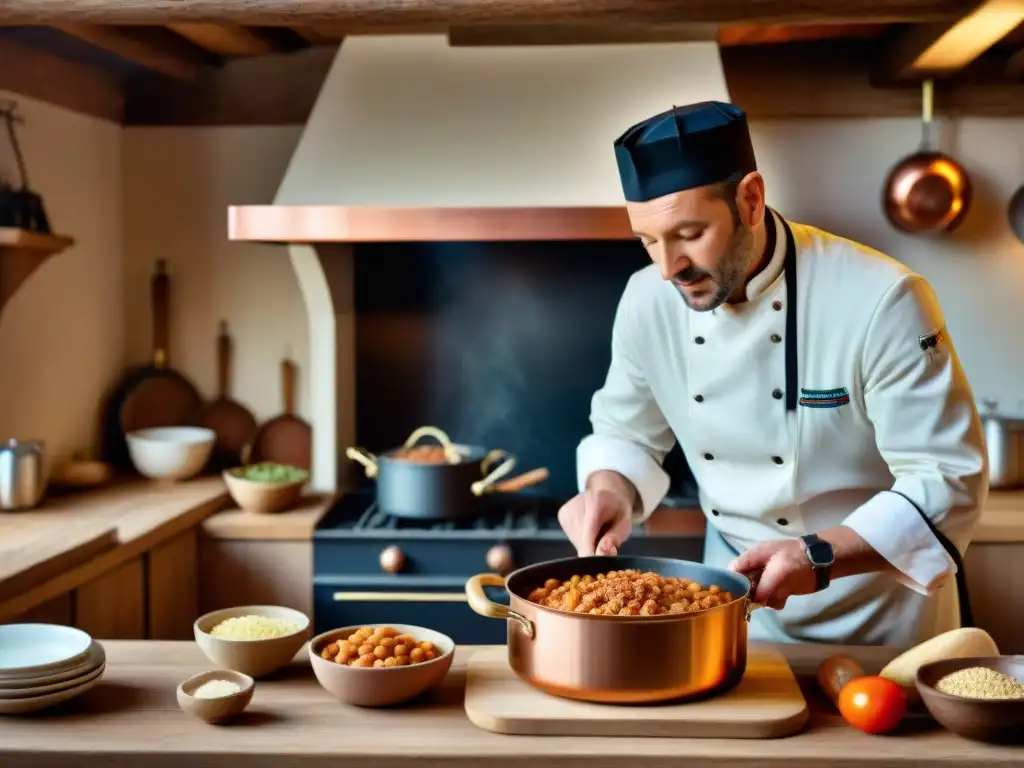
{"x":374,"y":568}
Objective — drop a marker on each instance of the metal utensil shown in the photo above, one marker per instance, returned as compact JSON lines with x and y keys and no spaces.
{"x":1004,"y":439}
{"x":20,"y":206}
{"x":22,"y":481}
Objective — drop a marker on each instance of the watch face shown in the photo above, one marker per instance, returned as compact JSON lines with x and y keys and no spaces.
{"x":820,"y":554}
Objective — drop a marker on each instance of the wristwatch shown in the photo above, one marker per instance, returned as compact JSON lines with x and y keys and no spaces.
{"x":821,"y":556}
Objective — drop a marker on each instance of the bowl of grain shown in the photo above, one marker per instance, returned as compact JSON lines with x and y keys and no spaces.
{"x":255,"y":640}
{"x":979,"y":698}
{"x":380,"y":666}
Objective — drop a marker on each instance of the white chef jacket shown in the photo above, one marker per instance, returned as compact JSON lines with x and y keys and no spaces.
{"x":884,"y":404}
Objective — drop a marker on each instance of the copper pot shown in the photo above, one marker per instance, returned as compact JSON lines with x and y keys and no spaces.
{"x":927,"y":192}
{"x":621,"y":659}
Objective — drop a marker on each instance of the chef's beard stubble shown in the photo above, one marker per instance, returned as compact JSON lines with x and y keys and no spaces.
{"x":728,"y":275}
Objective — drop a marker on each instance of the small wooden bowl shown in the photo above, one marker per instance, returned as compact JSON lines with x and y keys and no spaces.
{"x":381,"y":686}
{"x":219,"y":709}
{"x":997,"y":721}
{"x":256,"y":658}
{"x":262,"y":497}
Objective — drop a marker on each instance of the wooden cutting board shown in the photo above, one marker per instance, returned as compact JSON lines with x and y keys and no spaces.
{"x":767,"y":704}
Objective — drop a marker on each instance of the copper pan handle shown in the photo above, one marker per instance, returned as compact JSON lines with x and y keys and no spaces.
{"x":751,"y":605}
{"x":523,"y":481}
{"x":489,"y":609}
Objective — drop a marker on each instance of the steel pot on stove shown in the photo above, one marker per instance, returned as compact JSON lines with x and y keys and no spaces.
{"x":445,"y":483}
{"x":621,"y":659}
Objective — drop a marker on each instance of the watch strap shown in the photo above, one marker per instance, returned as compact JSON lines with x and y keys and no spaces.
{"x":822,"y":572}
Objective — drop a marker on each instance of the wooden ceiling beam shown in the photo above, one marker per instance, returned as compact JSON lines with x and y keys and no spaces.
{"x":154,"y":49}
{"x":231,"y":40}
{"x":579,"y":34}
{"x":936,"y":50}
{"x":29,"y":71}
{"x":383,"y":15}
{"x":316,"y":36}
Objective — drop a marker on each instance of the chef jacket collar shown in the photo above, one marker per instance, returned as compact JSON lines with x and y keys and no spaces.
{"x":766,"y":278}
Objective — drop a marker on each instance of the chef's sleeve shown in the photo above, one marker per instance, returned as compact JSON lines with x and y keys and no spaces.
{"x":630,"y":435}
{"x":928,"y":431}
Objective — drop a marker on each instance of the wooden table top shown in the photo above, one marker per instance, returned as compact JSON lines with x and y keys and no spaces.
{"x":132,"y":719}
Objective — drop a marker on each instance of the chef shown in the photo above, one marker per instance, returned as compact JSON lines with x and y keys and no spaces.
{"x":812,"y":386}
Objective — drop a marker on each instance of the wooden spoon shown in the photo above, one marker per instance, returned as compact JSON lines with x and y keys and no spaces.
{"x":233,"y":422}
{"x":285,"y":439}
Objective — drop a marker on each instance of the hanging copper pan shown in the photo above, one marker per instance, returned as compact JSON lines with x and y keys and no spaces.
{"x":927,"y":193}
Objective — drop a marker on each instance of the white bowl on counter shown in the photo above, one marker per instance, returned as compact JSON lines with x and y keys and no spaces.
{"x":42,"y":665}
{"x":170,"y":453}
{"x":39,"y":650}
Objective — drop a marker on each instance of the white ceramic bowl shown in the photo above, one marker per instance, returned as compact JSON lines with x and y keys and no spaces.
{"x":96,"y":658}
{"x":32,"y":650}
{"x":255,"y":658}
{"x":170,"y":453}
{"x":36,"y":703}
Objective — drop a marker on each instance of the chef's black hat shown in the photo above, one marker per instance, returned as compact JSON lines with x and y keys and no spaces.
{"x":684,"y":148}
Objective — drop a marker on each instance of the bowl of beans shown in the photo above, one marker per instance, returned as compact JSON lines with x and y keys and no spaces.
{"x":255,"y":640}
{"x":379,"y":666}
{"x":980,"y":698}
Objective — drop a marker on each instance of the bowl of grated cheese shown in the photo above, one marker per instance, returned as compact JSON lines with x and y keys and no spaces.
{"x":216,"y":695}
{"x":255,"y":640}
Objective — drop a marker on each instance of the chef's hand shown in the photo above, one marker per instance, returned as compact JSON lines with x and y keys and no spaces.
{"x":778,"y":570}
{"x":597,"y":510}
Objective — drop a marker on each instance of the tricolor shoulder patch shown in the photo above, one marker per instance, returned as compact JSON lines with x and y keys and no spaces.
{"x":824,"y":398}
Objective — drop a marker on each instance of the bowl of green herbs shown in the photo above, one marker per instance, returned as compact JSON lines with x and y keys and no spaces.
{"x":266,"y":487}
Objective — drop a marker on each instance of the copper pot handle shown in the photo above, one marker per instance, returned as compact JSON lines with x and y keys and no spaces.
{"x":450,"y":451}
{"x":486,"y":607}
{"x":367,"y":459}
{"x":751,"y":605}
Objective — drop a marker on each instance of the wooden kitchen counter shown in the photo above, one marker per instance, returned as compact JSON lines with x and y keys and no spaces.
{"x":1001,"y":522}
{"x":132,"y":719}
{"x":71,"y":539}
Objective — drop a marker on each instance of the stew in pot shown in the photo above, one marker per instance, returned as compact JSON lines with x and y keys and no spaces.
{"x":629,"y":593}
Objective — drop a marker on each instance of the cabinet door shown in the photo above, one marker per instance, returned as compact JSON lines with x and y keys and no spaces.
{"x":113,"y":606}
{"x":172,"y":587}
{"x":250,"y":572}
{"x":59,"y":610}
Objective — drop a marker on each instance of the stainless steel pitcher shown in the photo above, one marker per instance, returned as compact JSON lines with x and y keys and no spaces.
{"x":22,"y":479}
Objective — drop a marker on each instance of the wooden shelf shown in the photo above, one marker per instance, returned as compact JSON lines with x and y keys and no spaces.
{"x":368,"y":224}
{"x":21,"y":253}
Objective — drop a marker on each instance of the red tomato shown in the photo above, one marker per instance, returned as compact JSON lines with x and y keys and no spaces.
{"x":873,"y":704}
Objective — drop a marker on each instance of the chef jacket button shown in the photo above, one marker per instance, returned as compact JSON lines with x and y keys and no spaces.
{"x":777,"y":394}
{"x":776,"y":305}
{"x":777,"y":459}
{"x":715,"y":512}
{"x":699,"y":398}
{"x":775,"y":338}
{"x":782,"y":521}
{"x":709,"y":457}
{"x":699,"y":340}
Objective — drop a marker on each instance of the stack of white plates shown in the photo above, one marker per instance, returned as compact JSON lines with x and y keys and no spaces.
{"x":46,"y":664}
